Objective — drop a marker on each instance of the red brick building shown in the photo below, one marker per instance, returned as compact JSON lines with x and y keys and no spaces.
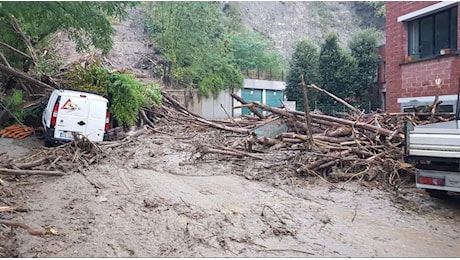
{"x":421,"y":46}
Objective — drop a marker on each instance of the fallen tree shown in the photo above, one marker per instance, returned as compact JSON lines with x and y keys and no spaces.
{"x":24,"y":76}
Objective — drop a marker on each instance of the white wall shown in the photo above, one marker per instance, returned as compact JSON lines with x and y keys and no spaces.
{"x":221,"y":106}
{"x":209,"y":108}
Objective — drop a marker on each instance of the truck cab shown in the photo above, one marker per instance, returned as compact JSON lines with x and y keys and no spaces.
{"x":72,"y":113}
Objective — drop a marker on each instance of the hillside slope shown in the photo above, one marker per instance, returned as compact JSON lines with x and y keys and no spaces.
{"x":285,"y":22}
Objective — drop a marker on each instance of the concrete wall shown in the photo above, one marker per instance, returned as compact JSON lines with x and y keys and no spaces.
{"x":414,"y":79}
{"x":219,"y":108}
{"x":222,"y":106}
{"x":209,"y":108}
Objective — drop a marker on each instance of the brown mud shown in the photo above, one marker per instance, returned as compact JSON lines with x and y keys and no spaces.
{"x":153,"y":198}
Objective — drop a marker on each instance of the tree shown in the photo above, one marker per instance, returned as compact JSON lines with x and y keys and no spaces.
{"x":193,"y":37}
{"x":250,"y":50}
{"x":205,"y":47}
{"x":304,"y":61}
{"x":338,"y":70}
{"x":86,"y":22}
{"x":379,"y":7}
{"x":363,"y":46}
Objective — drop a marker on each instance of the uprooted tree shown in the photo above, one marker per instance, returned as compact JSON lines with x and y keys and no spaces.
{"x":27,"y":30}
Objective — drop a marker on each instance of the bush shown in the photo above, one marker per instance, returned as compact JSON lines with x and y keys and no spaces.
{"x":93,"y":78}
{"x":126,"y":95}
{"x":13,"y":103}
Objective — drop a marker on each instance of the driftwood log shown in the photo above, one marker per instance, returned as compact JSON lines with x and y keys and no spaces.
{"x":310,"y":143}
{"x":30,"y":172}
{"x":250,"y":107}
{"x":32,"y":231}
{"x":376,"y":129}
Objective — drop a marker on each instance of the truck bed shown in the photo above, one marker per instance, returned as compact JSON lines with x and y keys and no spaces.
{"x":435,"y":140}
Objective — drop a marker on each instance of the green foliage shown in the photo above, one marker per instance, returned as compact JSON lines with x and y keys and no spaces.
{"x":304,"y":62}
{"x":126,"y":95}
{"x":225,"y":76}
{"x":363,"y":46}
{"x":47,"y":65}
{"x":211,"y":84}
{"x":348,"y":75}
{"x":16,"y":98}
{"x":371,"y":14}
{"x":251,"y":50}
{"x":13,"y":103}
{"x":232,"y":11}
{"x":206,"y":46}
{"x":338,"y":70}
{"x":93,"y":78}
{"x":192,"y":35}
{"x":126,"y":98}
{"x":86,"y":22}
{"x":378,"y":7}
{"x":152,"y":91}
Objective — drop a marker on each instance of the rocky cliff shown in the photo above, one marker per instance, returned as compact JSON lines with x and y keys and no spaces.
{"x":286,"y":22}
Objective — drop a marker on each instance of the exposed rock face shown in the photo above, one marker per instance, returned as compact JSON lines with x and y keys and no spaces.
{"x":285,"y":23}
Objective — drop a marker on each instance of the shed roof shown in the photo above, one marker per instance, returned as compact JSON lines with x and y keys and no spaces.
{"x":264,"y":84}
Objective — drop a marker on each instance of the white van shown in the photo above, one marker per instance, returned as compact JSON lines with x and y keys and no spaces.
{"x":76,"y":112}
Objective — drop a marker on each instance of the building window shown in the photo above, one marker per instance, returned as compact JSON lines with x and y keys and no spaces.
{"x":433,"y":35}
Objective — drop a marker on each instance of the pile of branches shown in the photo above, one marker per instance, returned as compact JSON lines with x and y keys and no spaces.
{"x":353,"y":146}
{"x":57,"y":161}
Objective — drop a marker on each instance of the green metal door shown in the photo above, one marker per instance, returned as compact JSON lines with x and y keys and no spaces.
{"x":250,"y":95}
{"x":273,"y":97}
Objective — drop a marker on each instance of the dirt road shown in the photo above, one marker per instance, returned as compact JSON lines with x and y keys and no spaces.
{"x":149,"y":200}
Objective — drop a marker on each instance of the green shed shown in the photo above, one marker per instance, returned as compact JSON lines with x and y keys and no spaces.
{"x":267,"y":92}
{"x":250,"y":95}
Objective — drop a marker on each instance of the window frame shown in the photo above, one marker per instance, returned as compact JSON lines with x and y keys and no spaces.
{"x":416,"y":33}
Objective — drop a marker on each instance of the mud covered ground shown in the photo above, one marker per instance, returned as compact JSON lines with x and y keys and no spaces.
{"x":156,"y":197}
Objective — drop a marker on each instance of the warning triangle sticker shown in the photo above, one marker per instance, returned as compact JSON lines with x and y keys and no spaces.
{"x":68,"y":105}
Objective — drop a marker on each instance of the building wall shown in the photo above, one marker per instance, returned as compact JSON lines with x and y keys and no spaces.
{"x":222,"y":106}
{"x":413,"y":79}
{"x":381,"y":76}
{"x":209,"y":108}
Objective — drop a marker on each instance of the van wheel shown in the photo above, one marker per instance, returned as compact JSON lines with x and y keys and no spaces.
{"x":439,"y":194}
{"x":48,"y":143}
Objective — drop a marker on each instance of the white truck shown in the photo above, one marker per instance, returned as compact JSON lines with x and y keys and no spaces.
{"x":70,"y":113}
{"x":434,"y":150}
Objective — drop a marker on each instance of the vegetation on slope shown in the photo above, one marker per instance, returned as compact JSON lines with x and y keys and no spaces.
{"x":349,"y":75}
{"x":207,"y":49}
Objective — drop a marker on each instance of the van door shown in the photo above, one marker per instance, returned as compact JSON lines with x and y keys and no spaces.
{"x":96,"y":120}
{"x":47,"y":113}
{"x":72,"y":116}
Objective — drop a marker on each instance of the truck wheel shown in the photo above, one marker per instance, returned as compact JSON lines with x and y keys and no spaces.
{"x":439,"y":194}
